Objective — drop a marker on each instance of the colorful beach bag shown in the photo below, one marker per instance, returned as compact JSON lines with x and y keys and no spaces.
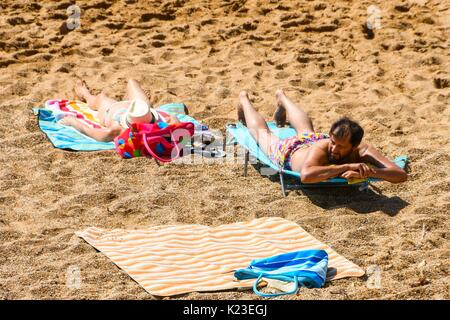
{"x":306,"y":268}
{"x":159,"y":140}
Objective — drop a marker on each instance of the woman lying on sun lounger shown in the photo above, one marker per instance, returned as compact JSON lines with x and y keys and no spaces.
{"x":311,"y":153}
{"x":115,"y":115}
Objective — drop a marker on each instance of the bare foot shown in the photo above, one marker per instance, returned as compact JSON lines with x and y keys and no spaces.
{"x":81,"y":90}
{"x":240,"y":110}
{"x":280,"y":113}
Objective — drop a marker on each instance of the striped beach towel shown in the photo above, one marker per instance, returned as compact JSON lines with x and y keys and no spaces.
{"x":66,"y":137}
{"x":78,"y":109}
{"x":176,"y":259}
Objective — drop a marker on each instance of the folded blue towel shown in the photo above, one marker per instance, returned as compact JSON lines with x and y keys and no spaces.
{"x":305,"y":268}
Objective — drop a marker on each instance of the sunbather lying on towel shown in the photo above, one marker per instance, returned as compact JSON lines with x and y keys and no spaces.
{"x":113,"y":114}
{"x":310,"y":153}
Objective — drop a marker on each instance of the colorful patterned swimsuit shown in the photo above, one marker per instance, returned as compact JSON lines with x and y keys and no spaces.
{"x":281,"y":151}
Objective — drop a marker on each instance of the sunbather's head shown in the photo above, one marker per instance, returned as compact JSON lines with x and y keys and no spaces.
{"x":139,"y":112}
{"x":345,"y":136}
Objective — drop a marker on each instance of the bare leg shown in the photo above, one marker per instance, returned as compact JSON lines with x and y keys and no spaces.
{"x":98,"y":102}
{"x":255,"y":123}
{"x":279,"y":116}
{"x":297,"y":117}
{"x":135,"y":91}
{"x":101,"y":102}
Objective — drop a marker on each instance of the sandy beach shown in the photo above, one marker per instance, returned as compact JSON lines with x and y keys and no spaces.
{"x":394,"y":80}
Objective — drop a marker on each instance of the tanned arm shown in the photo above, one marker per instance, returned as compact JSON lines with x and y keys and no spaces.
{"x":315,"y":168}
{"x":385,"y":169}
{"x":99,"y":134}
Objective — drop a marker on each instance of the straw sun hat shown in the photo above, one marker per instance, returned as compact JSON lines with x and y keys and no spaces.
{"x":138,"y":112}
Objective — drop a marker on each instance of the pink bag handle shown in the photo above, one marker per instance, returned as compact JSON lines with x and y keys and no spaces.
{"x":165,"y":143}
{"x":188,"y":127}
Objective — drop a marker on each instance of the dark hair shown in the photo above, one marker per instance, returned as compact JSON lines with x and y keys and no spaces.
{"x":344,"y":127}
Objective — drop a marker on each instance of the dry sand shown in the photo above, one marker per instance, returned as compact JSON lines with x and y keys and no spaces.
{"x":395,"y":81}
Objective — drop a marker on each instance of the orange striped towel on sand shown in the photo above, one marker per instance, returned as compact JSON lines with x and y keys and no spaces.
{"x":176,"y":259}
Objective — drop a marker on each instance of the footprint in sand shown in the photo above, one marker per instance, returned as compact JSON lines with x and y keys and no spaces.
{"x":25,"y":53}
{"x":441,"y":83}
{"x":157,"y":16}
{"x":17,"y":21}
{"x":106,"y":51}
{"x":115,"y":25}
{"x":158,"y":44}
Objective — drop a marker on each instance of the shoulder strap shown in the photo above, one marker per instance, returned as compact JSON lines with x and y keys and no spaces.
{"x":268,"y":295}
{"x":165,"y":144}
{"x":181,"y":130}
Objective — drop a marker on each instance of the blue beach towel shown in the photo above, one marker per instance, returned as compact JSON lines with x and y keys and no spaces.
{"x":306,"y":268}
{"x":65,"y":137}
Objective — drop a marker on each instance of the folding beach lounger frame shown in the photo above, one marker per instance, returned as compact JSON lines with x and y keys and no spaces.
{"x":362,"y":186}
{"x":335,"y":182}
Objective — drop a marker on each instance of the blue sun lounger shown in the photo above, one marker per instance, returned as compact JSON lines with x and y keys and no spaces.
{"x":237,"y":133}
